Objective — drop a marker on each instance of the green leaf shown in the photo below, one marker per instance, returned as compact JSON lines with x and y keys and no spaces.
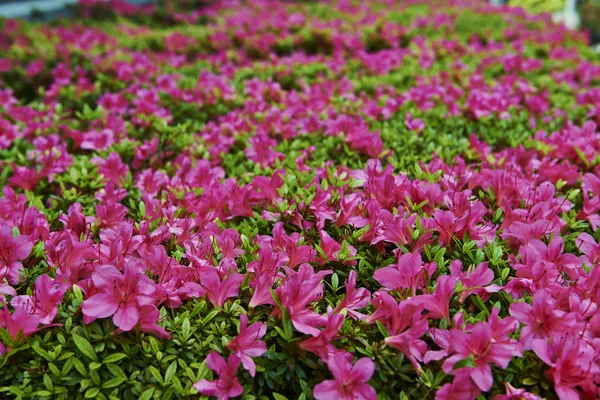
{"x":111,"y":383}
{"x":79,"y":366}
{"x":48,"y":382}
{"x":78,"y":293}
{"x":186,"y":328}
{"x":114,"y":358}
{"x":85,"y":347}
{"x":156,"y":374}
{"x":116,"y":370}
{"x":42,"y":393}
{"x":170,"y":372}
{"x":94,"y":366}
{"x":147,"y":395}
{"x":278,"y":396}
{"x":209,"y":316}
{"x":382,"y":329}
{"x":480,"y":304}
{"x":41,"y":352}
{"x":6,"y":338}
{"x":92,"y":392}
{"x":335,"y":281}
{"x":505,"y":273}
{"x":465,"y":362}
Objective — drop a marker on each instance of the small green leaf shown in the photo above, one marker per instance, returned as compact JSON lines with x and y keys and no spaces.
{"x":209,"y":316}
{"x":185,"y":328}
{"x":465,"y":362}
{"x":147,"y":395}
{"x":85,"y":347}
{"x":335,"y":281}
{"x":40,"y":351}
{"x":79,"y":366}
{"x":156,"y":374}
{"x":114,"y":358}
{"x":382,"y":329}
{"x":48,"y":382}
{"x":170,"y":372}
{"x":92,"y":392}
{"x":111,"y":383}
{"x":78,"y":293}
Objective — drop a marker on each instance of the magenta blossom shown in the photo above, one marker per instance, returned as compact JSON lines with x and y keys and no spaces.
{"x":13,"y":249}
{"x":483,"y":349}
{"x":513,"y":393}
{"x":220,"y":290}
{"x":542,"y":319}
{"x":355,"y":298}
{"x":350,"y":382}
{"x":321,"y":344}
{"x":227,"y":385}
{"x":573,"y":364}
{"x":247,"y":343}
{"x":18,"y":325}
{"x":44,"y":303}
{"x":414,"y":124}
{"x":120,"y":295}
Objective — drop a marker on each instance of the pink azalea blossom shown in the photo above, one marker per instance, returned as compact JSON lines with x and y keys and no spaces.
{"x":414,"y":124}
{"x":44,"y":303}
{"x":354,"y":299}
{"x":321,"y":344}
{"x":220,"y":290}
{"x":513,"y":393}
{"x":349,"y":383}
{"x":248,"y":344}
{"x":227,"y":385}
{"x":542,"y":319}
{"x":573,"y":365}
{"x":119,"y":295}
{"x":483,"y":350}
{"x":13,"y":249}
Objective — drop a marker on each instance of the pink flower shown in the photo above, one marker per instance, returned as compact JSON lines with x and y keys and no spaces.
{"x":438,"y":303}
{"x":463,"y":388}
{"x":475,"y":281}
{"x":573,"y":363}
{"x":247,"y":344}
{"x":321,"y":344}
{"x":483,"y":348}
{"x":219,"y":291}
{"x":590,"y":249}
{"x":350,"y":382}
{"x":405,"y":323}
{"x":149,"y":316}
{"x":542,"y":319}
{"x":44,"y":303}
{"x":18,"y":325}
{"x":297,"y":292}
{"x":406,"y":337}
{"x":13,"y":249}
{"x":414,"y":124}
{"x":120,"y":295}
{"x":355,"y":299}
{"x":513,"y":393}
{"x":408,"y":273}
{"x":227,"y":385}
{"x":331,"y":250}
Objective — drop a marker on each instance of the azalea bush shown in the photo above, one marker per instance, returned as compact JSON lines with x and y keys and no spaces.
{"x":299,"y":200}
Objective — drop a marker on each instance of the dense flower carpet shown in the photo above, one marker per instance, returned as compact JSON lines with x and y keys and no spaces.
{"x":298,"y":200}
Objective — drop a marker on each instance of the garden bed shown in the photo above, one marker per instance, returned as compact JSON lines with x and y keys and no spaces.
{"x":297,"y":200}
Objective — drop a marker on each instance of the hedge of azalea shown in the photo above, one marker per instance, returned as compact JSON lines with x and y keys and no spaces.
{"x":298,"y":200}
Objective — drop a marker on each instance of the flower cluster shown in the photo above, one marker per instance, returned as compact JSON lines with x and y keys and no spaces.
{"x":338,"y":200}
